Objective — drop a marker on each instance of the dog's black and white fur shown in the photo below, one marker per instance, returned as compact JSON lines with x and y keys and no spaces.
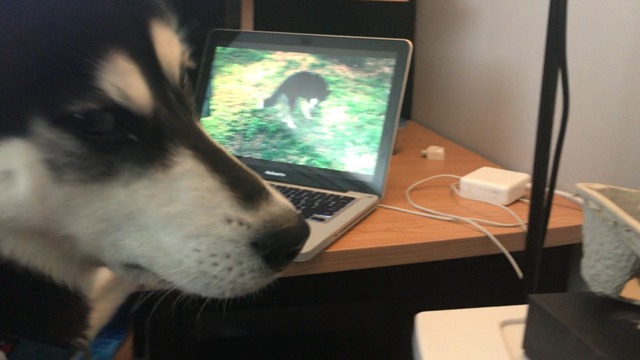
{"x":107,"y":181}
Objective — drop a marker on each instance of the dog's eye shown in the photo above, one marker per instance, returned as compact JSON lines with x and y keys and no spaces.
{"x":97,"y":124}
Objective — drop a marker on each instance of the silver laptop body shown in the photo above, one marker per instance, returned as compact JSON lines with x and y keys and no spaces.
{"x":310,"y":112}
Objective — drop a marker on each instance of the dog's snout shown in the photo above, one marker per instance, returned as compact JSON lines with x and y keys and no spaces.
{"x":279,"y":248}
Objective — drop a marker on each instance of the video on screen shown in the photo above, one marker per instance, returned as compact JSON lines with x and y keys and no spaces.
{"x":319,"y":110}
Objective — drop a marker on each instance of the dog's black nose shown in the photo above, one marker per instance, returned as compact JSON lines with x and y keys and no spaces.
{"x":279,"y":248}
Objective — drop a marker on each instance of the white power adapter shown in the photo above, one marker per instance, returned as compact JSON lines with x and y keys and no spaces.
{"x":494,"y":185}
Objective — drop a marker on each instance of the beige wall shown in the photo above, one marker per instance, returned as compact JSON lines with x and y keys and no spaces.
{"x":478,"y":67}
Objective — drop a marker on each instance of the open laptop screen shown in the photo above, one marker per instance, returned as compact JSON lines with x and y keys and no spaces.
{"x":312,"y":110}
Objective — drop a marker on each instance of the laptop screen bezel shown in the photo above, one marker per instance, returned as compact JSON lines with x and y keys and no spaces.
{"x":306,"y":175}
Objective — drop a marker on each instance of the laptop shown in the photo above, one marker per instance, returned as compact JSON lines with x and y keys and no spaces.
{"x":314,"y":115}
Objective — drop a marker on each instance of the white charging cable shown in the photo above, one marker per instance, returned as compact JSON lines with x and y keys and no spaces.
{"x":574,"y":198}
{"x":438,"y":215}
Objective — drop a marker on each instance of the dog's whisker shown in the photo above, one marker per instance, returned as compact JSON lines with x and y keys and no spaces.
{"x":163,"y":294}
{"x":143,"y":298}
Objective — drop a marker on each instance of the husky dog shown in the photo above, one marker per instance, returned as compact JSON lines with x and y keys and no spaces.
{"x":310,"y":88}
{"x":108,"y":182}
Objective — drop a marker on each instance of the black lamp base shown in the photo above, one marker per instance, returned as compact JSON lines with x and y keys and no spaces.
{"x":581,"y":326}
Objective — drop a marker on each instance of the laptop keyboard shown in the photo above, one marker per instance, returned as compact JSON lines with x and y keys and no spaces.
{"x":314,"y":205}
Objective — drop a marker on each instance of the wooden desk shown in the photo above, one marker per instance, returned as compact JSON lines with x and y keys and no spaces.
{"x":389,"y":237}
{"x":369,"y":310}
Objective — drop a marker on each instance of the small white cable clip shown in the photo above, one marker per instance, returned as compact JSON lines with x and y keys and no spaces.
{"x":433,"y":153}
